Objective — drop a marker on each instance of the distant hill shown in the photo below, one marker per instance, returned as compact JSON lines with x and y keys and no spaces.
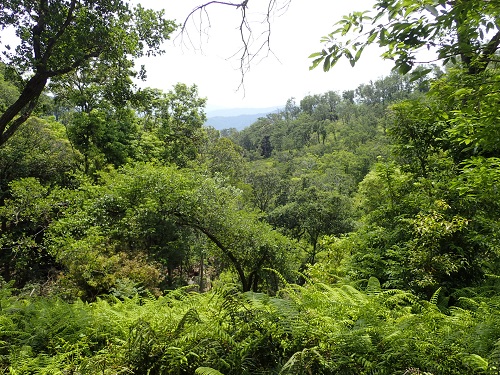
{"x":238,"y":118}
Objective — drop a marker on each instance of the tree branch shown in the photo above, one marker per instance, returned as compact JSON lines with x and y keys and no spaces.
{"x":248,"y":52}
{"x":490,"y":49}
{"x":52,"y":41}
{"x":204,"y":6}
{"x":236,"y":264}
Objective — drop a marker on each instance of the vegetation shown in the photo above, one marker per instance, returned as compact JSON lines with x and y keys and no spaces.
{"x":350,"y":233}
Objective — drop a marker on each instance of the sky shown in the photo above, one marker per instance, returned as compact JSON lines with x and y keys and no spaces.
{"x":203,"y":55}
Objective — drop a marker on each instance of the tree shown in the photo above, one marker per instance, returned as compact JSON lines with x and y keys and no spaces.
{"x":182,"y":114}
{"x":459,"y":30}
{"x":266,"y":185}
{"x":224,"y":157}
{"x":93,"y":102}
{"x":25,"y":217}
{"x":155,"y":210}
{"x":312,"y":213}
{"x":266,"y":148}
{"x":8,"y":90}
{"x":57,"y":37}
{"x":417,"y":133}
{"x":39,"y":149}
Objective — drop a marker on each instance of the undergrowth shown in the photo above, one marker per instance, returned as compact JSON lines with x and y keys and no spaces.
{"x":312,"y":329}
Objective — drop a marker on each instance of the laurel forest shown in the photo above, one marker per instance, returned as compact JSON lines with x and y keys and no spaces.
{"x":352,"y":232}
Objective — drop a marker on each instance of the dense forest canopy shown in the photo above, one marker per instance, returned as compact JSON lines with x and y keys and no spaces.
{"x":352,"y":232}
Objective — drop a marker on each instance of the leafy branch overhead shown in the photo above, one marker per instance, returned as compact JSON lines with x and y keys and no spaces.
{"x":458,"y":30}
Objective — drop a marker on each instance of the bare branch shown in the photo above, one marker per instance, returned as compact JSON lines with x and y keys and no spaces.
{"x":254,"y":42}
{"x":204,"y":6}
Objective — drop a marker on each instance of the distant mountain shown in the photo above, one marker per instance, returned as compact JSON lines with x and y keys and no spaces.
{"x":231,"y":112}
{"x":238,"y":118}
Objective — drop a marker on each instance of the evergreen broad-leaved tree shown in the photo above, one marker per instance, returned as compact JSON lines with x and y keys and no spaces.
{"x":56,"y":37}
{"x":156,"y":210}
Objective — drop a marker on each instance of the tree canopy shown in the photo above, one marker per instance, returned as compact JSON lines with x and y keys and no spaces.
{"x":56,"y":37}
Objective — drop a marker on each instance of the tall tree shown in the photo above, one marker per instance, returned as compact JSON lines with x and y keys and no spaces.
{"x":154,"y":209}
{"x":174,"y":119}
{"x":93,"y":103}
{"x":312,"y":213}
{"x":58,"y":36}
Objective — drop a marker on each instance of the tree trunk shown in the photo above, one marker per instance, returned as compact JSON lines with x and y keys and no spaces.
{"x":23,"y":107}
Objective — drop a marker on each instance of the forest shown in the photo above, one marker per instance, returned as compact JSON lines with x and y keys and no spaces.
{"x":353,"y":232}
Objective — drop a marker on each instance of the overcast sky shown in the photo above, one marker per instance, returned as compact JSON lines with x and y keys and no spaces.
{"x":295,"y":34}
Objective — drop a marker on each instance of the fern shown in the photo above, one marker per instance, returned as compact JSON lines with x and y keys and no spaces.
{"x":190,"y":317}
{"x":373,"y":287}
{"x":207,"y":371}
{"x":435,"y":297}
{"x":311,"y":329}
{"x":303,"y":362}
{"x":494,"y":359}
{"x":476,"y":362}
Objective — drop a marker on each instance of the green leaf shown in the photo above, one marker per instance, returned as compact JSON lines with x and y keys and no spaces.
{"x":371,"y":38}
{"x":431,"y":10}
{"x":435,"y":296}
{"x":404,"y":68}
{"x":326,"y":63}
{"x":358,"y":54}
{"x":315,"y":54}
{"x":373,"y":286}
{"x":419,"y":74}
{"x":316,"y":63}
{"x":477,"y":362}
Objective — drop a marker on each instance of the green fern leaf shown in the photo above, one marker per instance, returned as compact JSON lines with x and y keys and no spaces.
{"x":477,"y":362}
{"x":207,"y":371}
{"x":373,"y":287}
{"x":435,"y":296}
{"x":190,"y":317}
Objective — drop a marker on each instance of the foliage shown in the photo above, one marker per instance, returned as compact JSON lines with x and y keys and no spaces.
{"x":8,"y":92}
{"x":170,"y":124}
{"x":311,"y":194}
{"x":41,"y":150}
{"x":154,"y":210}
{"x":111,"y":122}
{"x":57,"y":37}
{"x":464,"y":31}
{"x":311,"y":213}
{"x":182,"y":115}
{"x":25,"y":217}
{"x":311,"y":329}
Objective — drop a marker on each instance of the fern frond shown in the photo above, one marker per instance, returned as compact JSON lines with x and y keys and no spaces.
{"x":494,"y":359}
{"x":468,"y":303}
{"x":280,"y":276}
{"x":435,"y":297}
{"x":476,"y":362}
{"x":181,"y":292}
{"x":303,"y":360}
{"x":190,"y":317}
{"x":373,"y":287}
{"x":207,"y":371}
